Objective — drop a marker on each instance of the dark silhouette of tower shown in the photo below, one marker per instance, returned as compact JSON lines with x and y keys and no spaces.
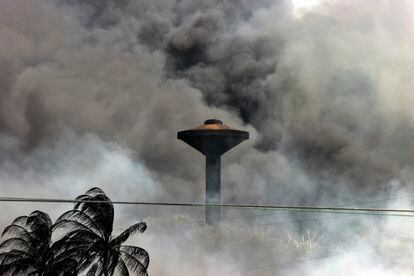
{"x":213,"y":139}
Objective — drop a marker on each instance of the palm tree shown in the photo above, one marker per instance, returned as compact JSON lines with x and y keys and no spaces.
{"x":89,"y":233}
{"x":29,"y":249}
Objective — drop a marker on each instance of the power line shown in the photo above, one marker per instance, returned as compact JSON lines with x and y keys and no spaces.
{"x":326,"y":209}
{"x":348,"y":205}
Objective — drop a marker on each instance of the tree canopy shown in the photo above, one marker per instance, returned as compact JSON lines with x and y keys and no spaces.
{"x":87,"y":243}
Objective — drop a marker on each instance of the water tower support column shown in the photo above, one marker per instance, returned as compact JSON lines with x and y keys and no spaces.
{"x":213,"y":183}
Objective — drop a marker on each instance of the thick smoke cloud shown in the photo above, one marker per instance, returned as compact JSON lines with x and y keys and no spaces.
{"x":312,"y":87}
{"x":93,"y":92}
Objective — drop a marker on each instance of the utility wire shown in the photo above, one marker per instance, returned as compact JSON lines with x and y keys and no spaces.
{"x":327,"y":209}
{"x":272,"y":214}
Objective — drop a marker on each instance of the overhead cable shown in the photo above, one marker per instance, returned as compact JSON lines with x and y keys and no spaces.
{"x":326,"y":209}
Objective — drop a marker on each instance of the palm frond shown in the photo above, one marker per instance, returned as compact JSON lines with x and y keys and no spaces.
{"x":67,"y":265}
{"x":14,"y":229}
{"x":92,"y":270}
{"x":9,"y":257}
{"x":133,"y":264}
{"x":43,"y":217}
{"x":22,"y":220}
{"x":24,"y":265}
{"x":90,"y":195}
{"x":101,"y":268}
{"x":121,"y":268}
{"x":71,"y":225}
{"x":17,"y":243}
{"x":77,"y":246}
{"x":137,"y":259}
{"x":82,"y":235}
{"x":139,"y":253}
{"x":95,"y":191}
{"x":75,"y":252}
{"x":101,"y":213}
{"x":138,"y":227}
{"x":81,"y":217}
{"x":113,"y":261}
{"x":40,"y":225}
{"x":39,"y":222}
{"x":67,"y":244}
{"x":86,"y":261}
{"x":15,"y":252}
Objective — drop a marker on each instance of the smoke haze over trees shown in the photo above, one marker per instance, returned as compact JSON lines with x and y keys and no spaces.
{"x":93,"y":92}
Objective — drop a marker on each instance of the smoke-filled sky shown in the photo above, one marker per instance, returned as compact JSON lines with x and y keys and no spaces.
{"x":92,"y":93}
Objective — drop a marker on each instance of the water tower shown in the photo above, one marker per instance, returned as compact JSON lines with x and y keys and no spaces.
{"x":213,"y":139}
